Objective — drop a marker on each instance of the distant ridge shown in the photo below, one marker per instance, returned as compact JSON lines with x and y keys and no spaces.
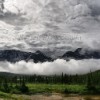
{"x":16,"y":55}
{"x":80,"y":54}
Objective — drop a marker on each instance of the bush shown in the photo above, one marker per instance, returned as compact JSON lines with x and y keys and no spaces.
{"x":24,"y":88}
{"x":66,"y":91}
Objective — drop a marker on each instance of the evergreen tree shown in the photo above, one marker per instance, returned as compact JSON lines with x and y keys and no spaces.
{"x":24,"y":88}
{"x":5,"y":86}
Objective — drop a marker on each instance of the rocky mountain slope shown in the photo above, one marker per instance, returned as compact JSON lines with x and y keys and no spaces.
{"x":16,"y":55}
{"x":80,"y":53}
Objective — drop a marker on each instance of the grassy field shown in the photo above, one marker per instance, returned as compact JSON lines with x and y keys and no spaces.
{"x":42,"y":89}
{"x":39,"y":91}
{"x":55,"y":88}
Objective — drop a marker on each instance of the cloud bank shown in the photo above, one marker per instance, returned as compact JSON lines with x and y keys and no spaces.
{"x":50,"y":68}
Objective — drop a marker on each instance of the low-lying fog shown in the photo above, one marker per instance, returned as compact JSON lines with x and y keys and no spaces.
{"x":47,"y":68}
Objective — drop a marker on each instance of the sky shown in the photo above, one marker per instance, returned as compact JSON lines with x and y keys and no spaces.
{"x":48,"y":25}
{"x":51,"y":26}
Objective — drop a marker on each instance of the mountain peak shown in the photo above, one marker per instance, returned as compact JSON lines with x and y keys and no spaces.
{"x":80,"y":53}
{"x":16,"y":55}
{"x":78,"y":50}
{"x":38,"y":52}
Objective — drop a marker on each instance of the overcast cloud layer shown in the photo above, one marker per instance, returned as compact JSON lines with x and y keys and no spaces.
{"x":50,"y":25}
{"x":49,"y":68}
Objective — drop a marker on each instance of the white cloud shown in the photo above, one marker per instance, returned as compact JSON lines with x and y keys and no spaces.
{"x":48,"y":68}
{"x":50,"y":24}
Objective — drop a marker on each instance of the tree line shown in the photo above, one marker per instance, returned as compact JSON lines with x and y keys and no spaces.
{"x":19,"y":82}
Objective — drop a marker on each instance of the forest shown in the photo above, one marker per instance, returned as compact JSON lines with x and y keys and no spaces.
{"x":63,"y":83}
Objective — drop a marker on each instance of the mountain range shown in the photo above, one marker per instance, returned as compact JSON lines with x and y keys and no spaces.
{"x":80,"y":54}
{"x":17,"y":55}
